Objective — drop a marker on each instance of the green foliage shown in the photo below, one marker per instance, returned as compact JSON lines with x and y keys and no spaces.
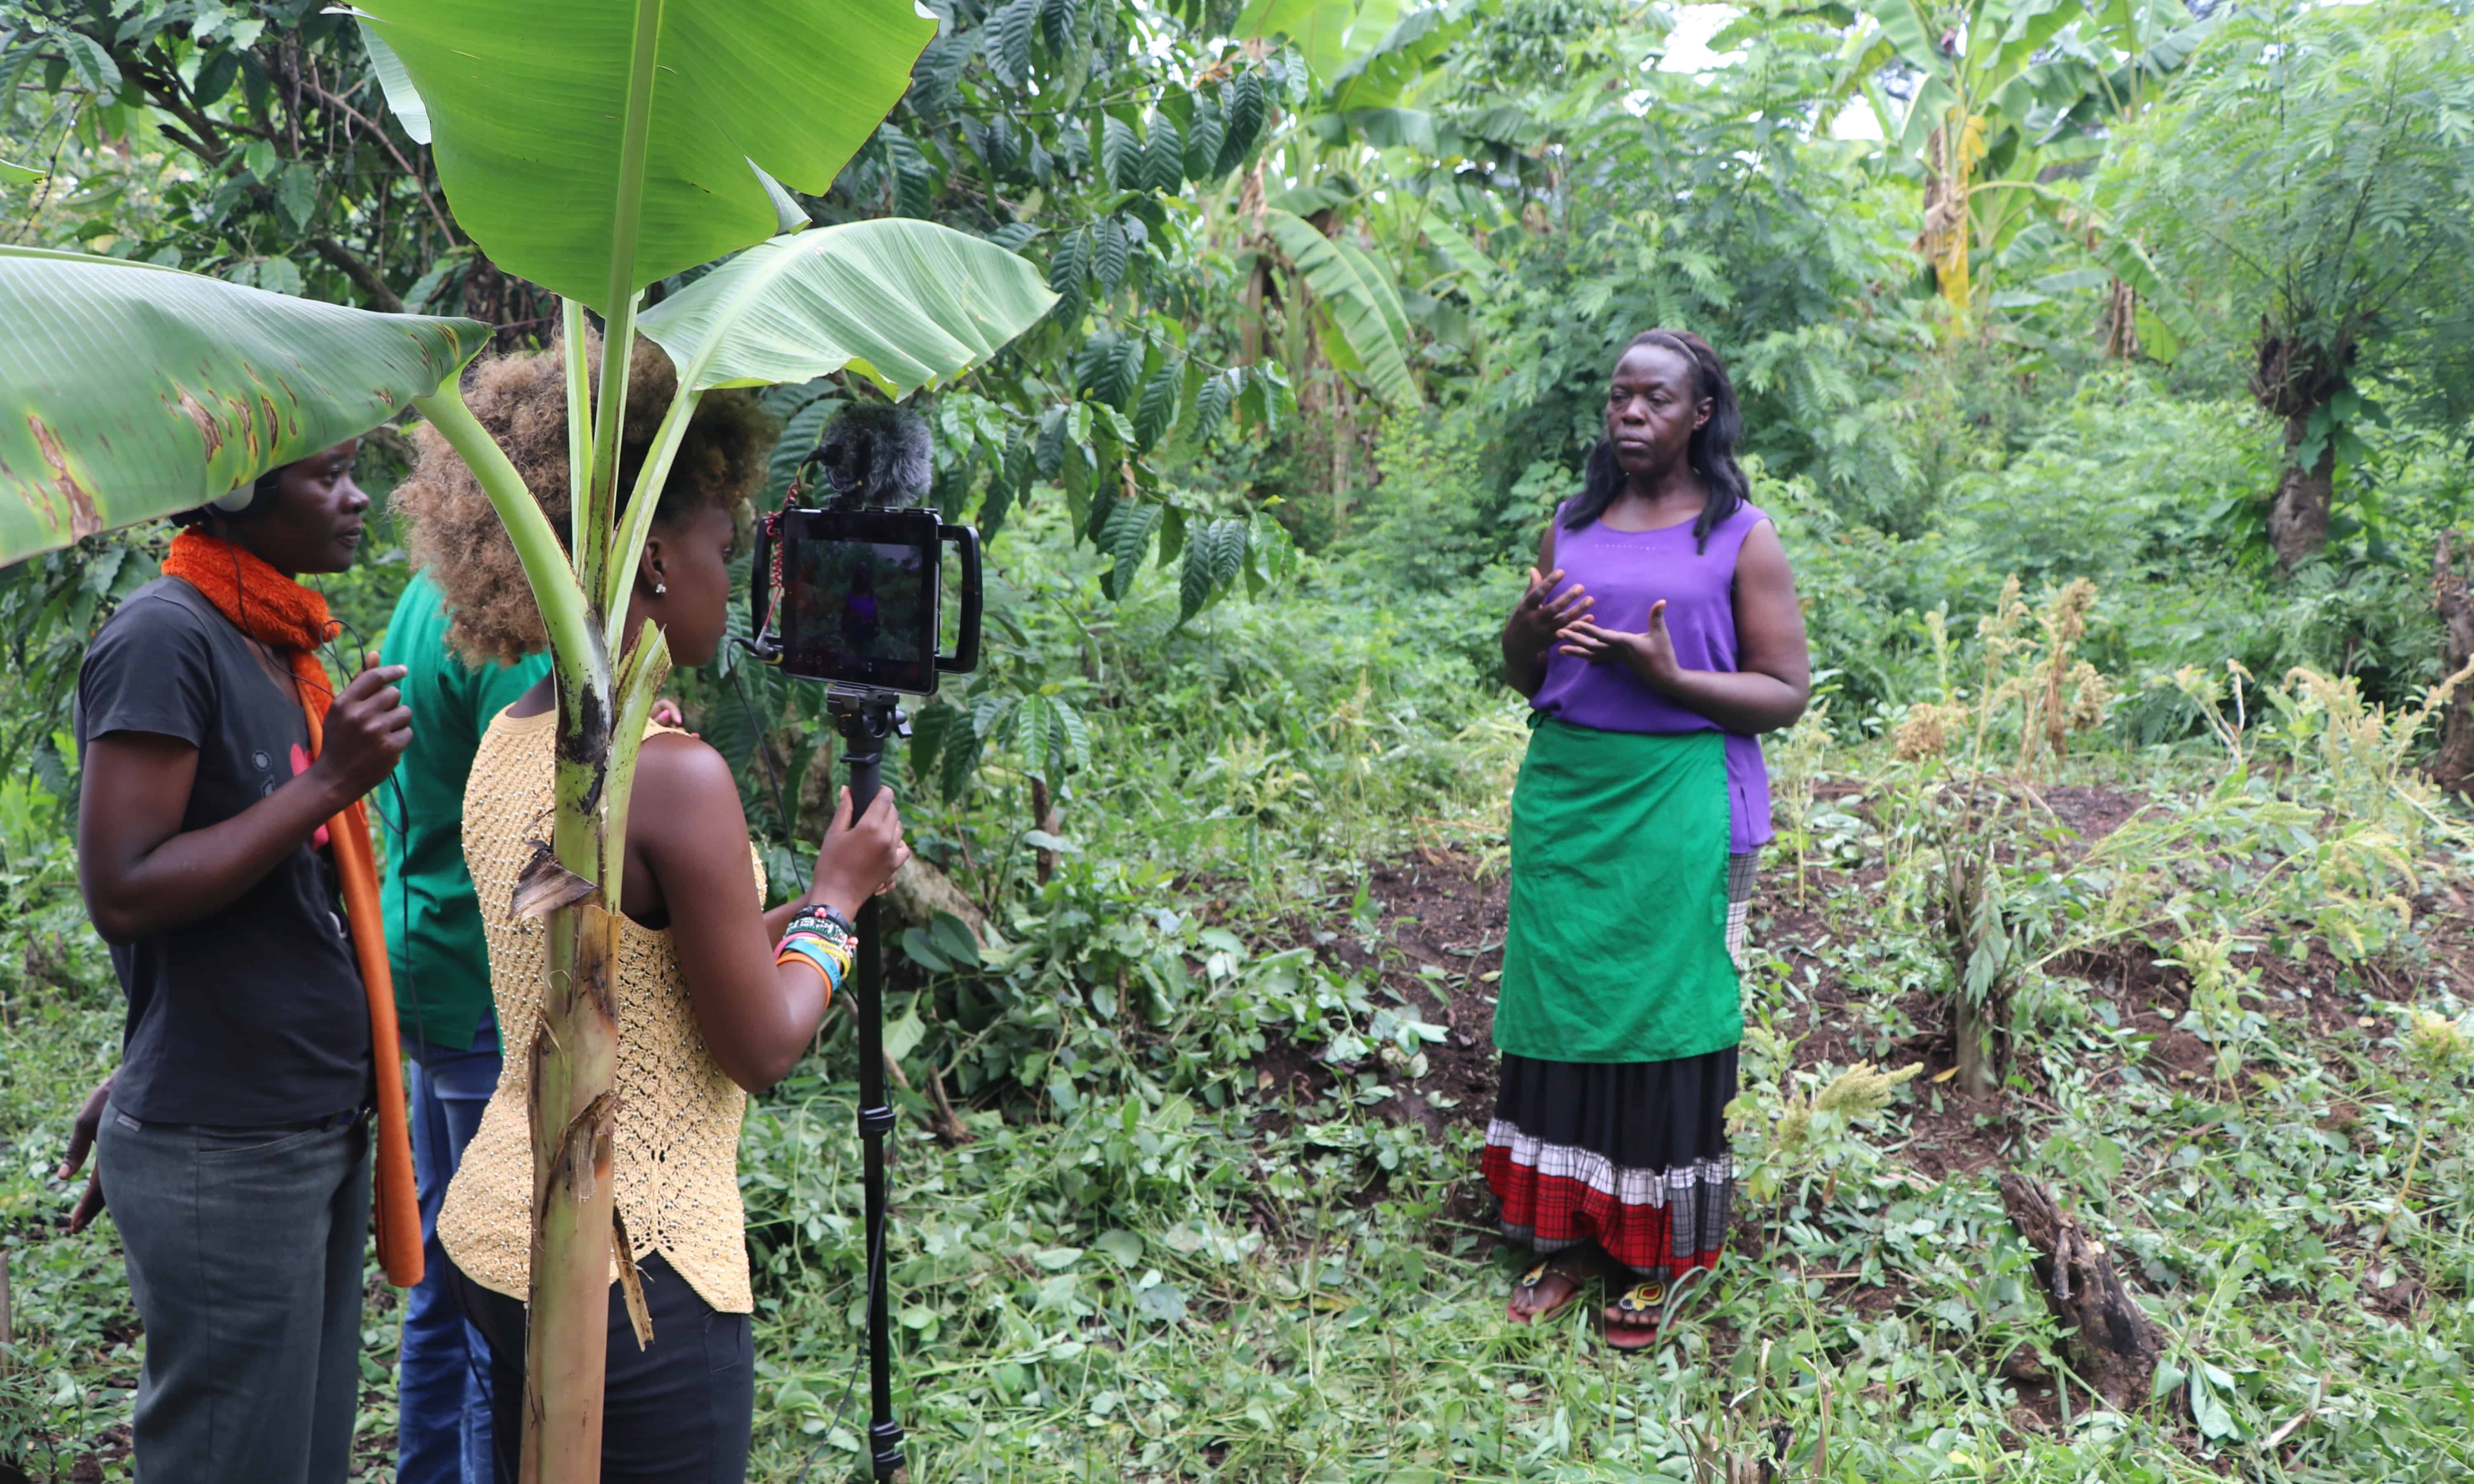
{"x":243,"y":140}
{"x":2004,"y":98}
{"x":1700,"y":213}
{"x":1145,"y":1252}
{"x":49,"y":607}
{"x":1208,"y":1223}
{"x":2305,"y":191}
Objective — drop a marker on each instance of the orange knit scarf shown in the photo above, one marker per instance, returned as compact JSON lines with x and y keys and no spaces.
{"x":281,"y":613}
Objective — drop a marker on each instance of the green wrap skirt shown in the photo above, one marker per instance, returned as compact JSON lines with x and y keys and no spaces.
{"x":1616,"y":949}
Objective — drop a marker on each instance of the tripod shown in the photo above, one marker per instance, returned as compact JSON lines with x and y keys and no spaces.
{"x":866,"y":718}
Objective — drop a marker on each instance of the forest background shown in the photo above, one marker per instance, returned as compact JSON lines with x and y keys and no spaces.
{"x":2105,"y":368}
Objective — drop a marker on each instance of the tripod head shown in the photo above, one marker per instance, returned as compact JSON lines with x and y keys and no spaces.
{"x":864,"y":717}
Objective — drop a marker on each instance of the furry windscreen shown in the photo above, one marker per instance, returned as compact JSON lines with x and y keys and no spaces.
{"x":875,"y":456}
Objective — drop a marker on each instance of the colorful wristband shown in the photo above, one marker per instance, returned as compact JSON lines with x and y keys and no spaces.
{"x":827,"y":957}
{"x":805,"y":961}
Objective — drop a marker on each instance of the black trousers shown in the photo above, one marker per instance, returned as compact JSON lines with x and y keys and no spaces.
{"x":678,"y":1411}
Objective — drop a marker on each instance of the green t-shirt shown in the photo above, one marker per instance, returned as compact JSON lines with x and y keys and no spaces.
{"x":433,"y":922}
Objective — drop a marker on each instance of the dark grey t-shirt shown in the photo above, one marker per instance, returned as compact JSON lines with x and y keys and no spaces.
{"x":255,"y":1015}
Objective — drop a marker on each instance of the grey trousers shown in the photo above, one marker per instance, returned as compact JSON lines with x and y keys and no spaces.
{"x":245,"y":1254}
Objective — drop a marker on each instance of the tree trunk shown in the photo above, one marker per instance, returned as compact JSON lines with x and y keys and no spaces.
{"x":2119,"y":330}
{"x":1344,"y":431}
{"x":9,"y":1471}
{"x":573,"y":1113}
{"x":1944,"y":242}
{"x":1043,"y":817}
{"x":920,"y":891}
{"x":2114,"y":1346}
{"x":574,"y":880}
{"x":1971,"y":920}
{"x":2297,"y":522}
{"x":2453,"y":769}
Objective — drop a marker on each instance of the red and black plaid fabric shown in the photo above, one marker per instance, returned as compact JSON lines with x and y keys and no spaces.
{"x":1630,"y":1155}
{"x":1550,"y":1212}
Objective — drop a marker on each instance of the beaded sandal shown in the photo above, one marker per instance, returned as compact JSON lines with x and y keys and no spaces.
{"x":1635,"y":1318}
{"x":1528,"y":1284}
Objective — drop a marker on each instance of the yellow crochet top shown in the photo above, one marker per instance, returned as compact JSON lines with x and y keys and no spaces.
{"x":676,"y":1155}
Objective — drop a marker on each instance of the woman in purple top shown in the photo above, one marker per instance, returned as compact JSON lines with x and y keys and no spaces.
{"x":1663,"y":638}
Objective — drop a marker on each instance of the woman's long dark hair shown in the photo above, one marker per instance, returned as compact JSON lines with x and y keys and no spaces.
{"x":1712,"y":453}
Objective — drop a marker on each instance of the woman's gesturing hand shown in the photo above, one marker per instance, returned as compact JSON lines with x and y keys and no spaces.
{"x":858,"y":861}
{"x":1649,"y":655}
{"x":1541,"y":615}
{"x":366,"y":731}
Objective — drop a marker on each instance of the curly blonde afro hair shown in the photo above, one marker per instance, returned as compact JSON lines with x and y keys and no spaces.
{"x":454,"y":533}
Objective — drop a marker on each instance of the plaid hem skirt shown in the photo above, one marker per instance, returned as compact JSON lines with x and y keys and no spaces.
{"x":1630,"y":1155}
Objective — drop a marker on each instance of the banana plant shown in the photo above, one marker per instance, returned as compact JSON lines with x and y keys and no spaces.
{"x":1980,"y":79}
{"x":1366,"y":329}
{"x":598,"y":149}
{"x":1326,"y":33}
{"x":2008,"y":89}
{"x":643,"y":140}
{"x":1366,"y":65}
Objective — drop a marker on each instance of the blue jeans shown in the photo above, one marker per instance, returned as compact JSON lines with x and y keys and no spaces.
{"x":443,"y":1364}
{"x":244,"y":1249}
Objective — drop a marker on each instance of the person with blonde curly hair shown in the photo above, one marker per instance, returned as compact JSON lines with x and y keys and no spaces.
{"x":716,"y":998}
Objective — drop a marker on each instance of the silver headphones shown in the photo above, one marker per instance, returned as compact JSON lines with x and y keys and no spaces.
{"x":242,"y":498}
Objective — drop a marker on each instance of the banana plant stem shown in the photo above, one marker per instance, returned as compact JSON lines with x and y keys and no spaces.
{"x":609,"y":421}
{"x":644,"y":502}
{"x":575,"y":642}
{"x":580,"y":441}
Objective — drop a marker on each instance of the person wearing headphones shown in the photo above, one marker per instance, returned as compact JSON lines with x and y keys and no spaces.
{"x":223,"y":856}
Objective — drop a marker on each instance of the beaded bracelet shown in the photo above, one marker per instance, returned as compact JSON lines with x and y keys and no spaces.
{"x":822,"y":939}
{"x":825,"y":920}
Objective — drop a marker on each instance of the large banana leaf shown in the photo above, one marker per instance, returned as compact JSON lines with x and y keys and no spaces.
{"x":133,"y":391}
{"x":1365,"y":314}
{"x":596,"y":146}
{"x":1385,"y":129}
{"x":1324,"y":32}
{"x":906,"y":302}
{"x":1377,"y":79}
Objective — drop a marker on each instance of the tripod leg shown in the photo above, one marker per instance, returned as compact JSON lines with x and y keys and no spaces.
{"x":876,"y":1121}
{"x":864,"y":735}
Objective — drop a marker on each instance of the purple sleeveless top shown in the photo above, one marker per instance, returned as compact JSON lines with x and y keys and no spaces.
{"x":1627,"y":571}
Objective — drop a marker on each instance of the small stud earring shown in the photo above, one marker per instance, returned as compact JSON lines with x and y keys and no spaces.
{"x":660,"y":588}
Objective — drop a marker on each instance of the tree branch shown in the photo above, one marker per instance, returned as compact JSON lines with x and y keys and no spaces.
{"x":189,"y":142}
{"x":363,"y":276}
{"x":167,"y":90}
{"x":380,"y":134}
